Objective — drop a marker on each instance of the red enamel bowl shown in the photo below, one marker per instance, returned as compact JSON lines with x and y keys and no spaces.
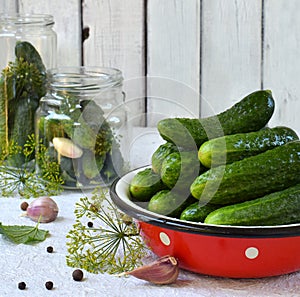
{"x":225,"y":251}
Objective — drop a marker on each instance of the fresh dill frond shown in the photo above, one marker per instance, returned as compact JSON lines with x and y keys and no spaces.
{"x":25,"y":180}
{"x":112,"y":245}
{"x":24,"y":79}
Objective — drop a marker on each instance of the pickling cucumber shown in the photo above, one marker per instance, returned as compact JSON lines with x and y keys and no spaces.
{"x":278,"y":208}
{"x":196,"y":212}
{"x":169,"y":203}
{"x":179,"y":169}
{"x":251,"y":113}
{"x":230,"y":148}
{"x":250,"y":178}
{"x":160,"y":154}
{"x":27,"y":51}
{"x":145,"y":184}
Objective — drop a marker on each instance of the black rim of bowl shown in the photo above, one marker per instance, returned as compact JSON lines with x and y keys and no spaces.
{"x":141,"y":214}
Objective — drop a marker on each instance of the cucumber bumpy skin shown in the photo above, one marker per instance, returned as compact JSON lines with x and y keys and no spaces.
{"x":278,"y":208}
{"x":179,"y":170}
{"x":230,"y":148}
{"x":251,"y":113}
{"x":169,"y":203}
{"x":160,"y":154}
{"x":196,"y":212}
{"x":145,"y":184}
{"x":250,"y":178}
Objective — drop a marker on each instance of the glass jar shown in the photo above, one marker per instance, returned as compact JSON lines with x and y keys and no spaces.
{"x":28,"y":49}
{"x":80,"y":125}
{"x":34,"y":28}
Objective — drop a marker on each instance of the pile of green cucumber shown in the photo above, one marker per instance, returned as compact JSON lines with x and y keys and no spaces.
{"x":227,"y":169}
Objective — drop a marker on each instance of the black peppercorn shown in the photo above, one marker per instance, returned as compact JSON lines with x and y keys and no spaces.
{"x":49,"y":285}
{"x":90,"y":224}
{"x":24,"y":205}
{"x":22,"y":285}
{"x":49,"y":249}
{"x":77,"y":275}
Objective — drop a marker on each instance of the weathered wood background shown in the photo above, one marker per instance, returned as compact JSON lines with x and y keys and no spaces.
{"x":203,"y":55}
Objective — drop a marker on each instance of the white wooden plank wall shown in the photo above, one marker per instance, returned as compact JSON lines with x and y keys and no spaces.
{"x":173,"y":57}
{"x":8,"y":6}
{"x":203,"y":54}
{"x":231,"y":52}
{"x":117,"y":40}
{"x":282,"y":59}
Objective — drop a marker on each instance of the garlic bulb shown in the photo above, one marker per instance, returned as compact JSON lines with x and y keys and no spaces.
{"x":42,"y":209}
{"x":163,"y":271}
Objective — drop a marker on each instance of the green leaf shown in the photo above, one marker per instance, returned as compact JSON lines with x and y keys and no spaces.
{"x":23,"y":234}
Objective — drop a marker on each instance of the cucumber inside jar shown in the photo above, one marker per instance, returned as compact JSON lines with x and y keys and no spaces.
{"x":81,"y":141}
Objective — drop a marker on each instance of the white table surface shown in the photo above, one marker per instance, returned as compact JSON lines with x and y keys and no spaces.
{"x":33,"y":265}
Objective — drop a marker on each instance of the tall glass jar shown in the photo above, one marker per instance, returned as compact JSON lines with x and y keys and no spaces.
{"x":28,"y":48}
{"x":78,"y":125}
{"x":34,"y":28}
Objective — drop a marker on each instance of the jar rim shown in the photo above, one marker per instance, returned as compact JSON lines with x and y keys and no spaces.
{"x":84,"y":78}
{"x":26,"y":19}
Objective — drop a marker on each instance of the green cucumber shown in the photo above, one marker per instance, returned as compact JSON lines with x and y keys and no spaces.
{"x":145,"y":184}
{"x":179,"y":169}
{"x":160,"y":154}
{"x":251,"y":113}
{"x":250,"y":178}
{"x":28,"y":52}
{"x":21,"y":126}
{"x":169,"y":203}
{"x":278,"y":208}
{"x":196,"y":212}
{"x":230,"y":148}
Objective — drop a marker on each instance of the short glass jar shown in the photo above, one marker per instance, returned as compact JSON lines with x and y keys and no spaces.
{"x":28,"y":49}
{"x":79,"y":124}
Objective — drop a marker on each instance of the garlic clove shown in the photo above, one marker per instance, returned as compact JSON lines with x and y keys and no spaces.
{"x":163,"y":271}
{"x":66,"y":147}
{"x":42,"y":209}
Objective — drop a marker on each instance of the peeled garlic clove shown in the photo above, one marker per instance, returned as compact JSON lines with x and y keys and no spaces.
{"x":66,"y":147}
{"x":163,"y":271}
{"x":42,"y":209}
